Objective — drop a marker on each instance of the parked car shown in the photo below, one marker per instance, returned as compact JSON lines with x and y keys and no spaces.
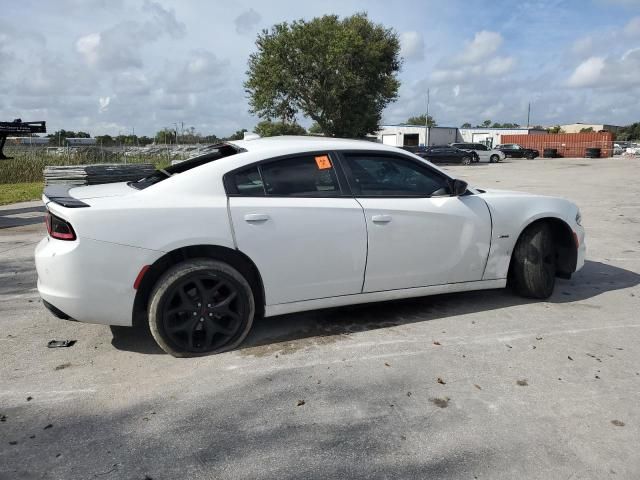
{"x":617,"y":149}
{"x":285,"y":224}
{"x":446,"y":154}
{"x":513,"y":150}
{"x":483,"y":154}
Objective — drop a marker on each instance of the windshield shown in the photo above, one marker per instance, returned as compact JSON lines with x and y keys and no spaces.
{"x":214,"y":152}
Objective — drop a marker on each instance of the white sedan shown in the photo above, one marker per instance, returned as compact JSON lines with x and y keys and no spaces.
{"x":287,"y":224}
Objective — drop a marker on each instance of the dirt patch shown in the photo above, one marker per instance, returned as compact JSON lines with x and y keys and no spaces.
{"x":440,"y":402}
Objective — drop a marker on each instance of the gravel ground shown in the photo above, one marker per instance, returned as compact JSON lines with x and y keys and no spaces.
{"x":476,"y":385}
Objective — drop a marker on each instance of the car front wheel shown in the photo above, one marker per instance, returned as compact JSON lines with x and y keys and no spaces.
{"x":533,"y":266}
{"x":466,"y":160}
{"x":199,"y":307}
{"x":494,"y":159}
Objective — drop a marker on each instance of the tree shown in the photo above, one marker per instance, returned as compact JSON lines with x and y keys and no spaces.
{"x":629,"y":132}
{"x":239,"y":135}
{"x":165,"y":136}
{"x":486,"y":124}
{"x":466,"y":125}
{"x":267,"y":128}
{"x":339,"y":73}
{"x":556,"y":129}
{"x":586,"y":130}
{"x":315,"y":129}
{"x":421,"y":119}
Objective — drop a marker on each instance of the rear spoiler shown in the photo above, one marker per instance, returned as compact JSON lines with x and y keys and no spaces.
{"x":60,"y":194}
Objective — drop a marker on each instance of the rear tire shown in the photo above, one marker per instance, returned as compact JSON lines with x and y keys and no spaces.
{"x":200,"y":307}
{"x":530,"y":156}
{"x":533,"y":265}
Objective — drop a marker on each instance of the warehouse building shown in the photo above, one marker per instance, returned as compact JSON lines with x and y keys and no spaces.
{"x":403,"y":135}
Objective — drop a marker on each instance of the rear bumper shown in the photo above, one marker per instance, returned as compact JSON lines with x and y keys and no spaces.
{"x":89,"y":280}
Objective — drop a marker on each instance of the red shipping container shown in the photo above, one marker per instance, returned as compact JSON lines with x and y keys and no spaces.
{"x":567,"y":144}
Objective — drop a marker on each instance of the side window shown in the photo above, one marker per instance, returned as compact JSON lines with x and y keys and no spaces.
{"x":249,"y":183}
{"x":307,"y":176}
{"x":380,"y":176}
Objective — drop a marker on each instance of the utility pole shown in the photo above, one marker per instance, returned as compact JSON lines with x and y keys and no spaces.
{"x":426,"y":124}
{"x":529,"y":115}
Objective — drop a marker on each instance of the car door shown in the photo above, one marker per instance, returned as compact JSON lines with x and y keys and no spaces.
{"x":483,"y":153}
{"x":291,"y":217}
{"x":418,"y":233}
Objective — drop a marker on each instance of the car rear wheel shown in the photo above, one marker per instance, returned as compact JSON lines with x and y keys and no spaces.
{"x":494,"y":159}
{"x":530,"y":156}
{"x":533,"y":266}
{"x":200,"y":307}
{"x":466,"y":160}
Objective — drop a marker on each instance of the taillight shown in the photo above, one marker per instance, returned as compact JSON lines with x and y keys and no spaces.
{"x":59,"y":228}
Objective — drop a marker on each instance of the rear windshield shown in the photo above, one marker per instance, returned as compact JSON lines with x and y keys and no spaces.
{"x":214,"y":152}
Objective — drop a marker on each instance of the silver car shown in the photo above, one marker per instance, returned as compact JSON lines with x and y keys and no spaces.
{"x":482,"y":153}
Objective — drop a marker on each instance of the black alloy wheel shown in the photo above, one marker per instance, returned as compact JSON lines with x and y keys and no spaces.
{"x":201,"y":307}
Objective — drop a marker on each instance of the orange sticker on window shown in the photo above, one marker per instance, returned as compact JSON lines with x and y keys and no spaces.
{"x":323,"y":162}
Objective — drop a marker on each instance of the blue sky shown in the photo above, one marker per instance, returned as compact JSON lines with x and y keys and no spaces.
{"x":108,"y":66}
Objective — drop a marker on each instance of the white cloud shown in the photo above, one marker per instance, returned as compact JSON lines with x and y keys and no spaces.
{"x":103,"y":103}
{"x":121,"y":45}
{"x":587,"y":73}
{"x":456,"y":90}
{"x":483,"y":45}
{"x":583,"y":46}
{"x":247,"y":21}
{"x":88,"y":47}
{"x":632,"y":28}
{"x":499,"y":66}
{"x":412,"y":46}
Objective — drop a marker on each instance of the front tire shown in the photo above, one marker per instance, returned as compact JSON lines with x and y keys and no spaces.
{"x":494,"y":159}
{"x":466,"y":160}
{"x":200,"y":307}
{"x":533,"y":265}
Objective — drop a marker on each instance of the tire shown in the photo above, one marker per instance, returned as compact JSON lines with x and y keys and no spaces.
{"x":494,"y":159}
{"x":185,"y":324}
{"x":533,"y":265}
{"x":466,"y":160}
{"x":529,"y":156}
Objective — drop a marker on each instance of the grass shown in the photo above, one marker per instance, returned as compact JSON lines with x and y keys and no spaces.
{"x":27,"y":165}
{"x":19,"y":192}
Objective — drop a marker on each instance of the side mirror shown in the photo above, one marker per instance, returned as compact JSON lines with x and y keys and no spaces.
{"x":458,"y":187}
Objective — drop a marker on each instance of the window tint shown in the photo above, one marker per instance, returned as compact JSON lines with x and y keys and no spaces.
{"x":392,"y":176}
{"x":309,"y":176}
{"x":249,"y":182}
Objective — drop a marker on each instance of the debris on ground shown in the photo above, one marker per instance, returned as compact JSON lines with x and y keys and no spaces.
{"x":507,"y":345}
{"x":435,"y":342}
{"x":60,"y":343}
{"x":538,"y":338}
{"x":29,"y":399}
{"x":569,"y":357}
{"x":62,"y":366}
{"x":48,"y":427}
{"x":440,"y":402}
{"x":477,"y":386}
{"x":300,"y":403}
{"x":441,"y":381}
{"x":3,"y":418}
{"x":617,"y":423}
{"x":408,"y":394}
{"x":386,"y":364}
{"x":13,"y":442}
{"x":523,"y":382}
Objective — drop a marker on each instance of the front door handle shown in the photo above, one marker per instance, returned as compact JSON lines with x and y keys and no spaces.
{"x":256,"y":217}
{"x":381,"y":218}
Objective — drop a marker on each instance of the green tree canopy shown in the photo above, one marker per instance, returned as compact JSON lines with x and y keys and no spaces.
{"x":630,"y":132}
{"x":339,"y":73}
{"x":315,"y":129}
{"x":465,"y":125}
{"x":586,"y":130}
{"x":421,"y":119}
{"x":556,"y":129}
{"x":267,"y":128}
{"x":239,"y":135}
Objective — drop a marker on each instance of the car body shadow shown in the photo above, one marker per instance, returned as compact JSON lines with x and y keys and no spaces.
{"x":19,"y":217}
{"x":286,"y":333}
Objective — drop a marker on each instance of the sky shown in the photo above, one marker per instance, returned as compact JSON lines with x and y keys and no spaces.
{"x":118,"y":66}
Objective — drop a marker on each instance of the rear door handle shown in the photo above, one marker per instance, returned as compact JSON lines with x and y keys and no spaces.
{"x":256,"y":217}
{"x":381,"y":218}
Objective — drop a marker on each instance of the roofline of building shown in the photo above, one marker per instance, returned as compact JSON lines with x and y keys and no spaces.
{"x":461,"y":128}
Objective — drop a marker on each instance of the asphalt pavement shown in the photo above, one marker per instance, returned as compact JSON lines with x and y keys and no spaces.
{"x":482,"y":385}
